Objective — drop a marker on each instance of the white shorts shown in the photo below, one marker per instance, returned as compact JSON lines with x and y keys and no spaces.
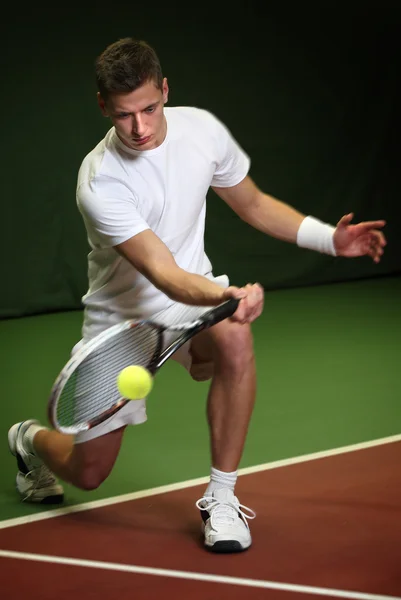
{"x":134,"y":413}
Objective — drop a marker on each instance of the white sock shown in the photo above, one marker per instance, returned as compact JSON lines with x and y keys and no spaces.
{"x":29,"y":436}
{"x":220,"y":479}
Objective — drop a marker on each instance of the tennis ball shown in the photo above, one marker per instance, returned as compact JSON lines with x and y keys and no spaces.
{"x":134,"y":382}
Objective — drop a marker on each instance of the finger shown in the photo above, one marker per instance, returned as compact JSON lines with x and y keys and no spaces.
{"x":261,"y":297}
{"x":261,"y":289}
{"x":375,"y":251}
{"x":367,"y":245}
{"x":242,"y":312}
{"x":234,"y":292}
{"x":251,"y":305}
{"x":246,"y":311}
{"x":257,"y":311}
{"x":378,"y":250}
{"x":380,"y":237}
{"x":371,"y":225}
{"x":240,"y":315}
{"x":376,"y":256}
{"x":370,"y":243}
{"x":255,"y":301}
{"x":345,"y":220}
{"x":377,"y":241}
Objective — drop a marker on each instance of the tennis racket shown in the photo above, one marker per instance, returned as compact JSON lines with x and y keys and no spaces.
{"x":85,"y":392}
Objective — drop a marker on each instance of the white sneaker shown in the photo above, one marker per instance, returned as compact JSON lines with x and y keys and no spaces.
{"x":35,"y":482}
{"x":225,"y":524}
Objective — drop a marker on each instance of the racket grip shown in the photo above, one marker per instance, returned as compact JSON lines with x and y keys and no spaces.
{"x":223,"y":311}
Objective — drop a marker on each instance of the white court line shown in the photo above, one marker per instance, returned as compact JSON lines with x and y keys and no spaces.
{"x":58,"y":512}
{"x":193,"y":576}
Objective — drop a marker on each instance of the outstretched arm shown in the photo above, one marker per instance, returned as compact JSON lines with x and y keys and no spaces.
{"x":279,"y":220}
{"x":151,"y":257}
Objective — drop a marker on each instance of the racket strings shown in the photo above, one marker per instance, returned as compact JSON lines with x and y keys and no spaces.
{"x":92,"y":389}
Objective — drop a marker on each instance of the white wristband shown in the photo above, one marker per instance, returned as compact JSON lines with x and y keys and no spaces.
{"x":316,"y":235}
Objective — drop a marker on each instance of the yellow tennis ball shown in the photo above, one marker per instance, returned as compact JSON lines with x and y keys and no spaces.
{"x":134,"y":382}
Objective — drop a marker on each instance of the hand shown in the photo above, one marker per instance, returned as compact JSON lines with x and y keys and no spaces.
{"x":251,"y":304}
{"x":362,"y":239}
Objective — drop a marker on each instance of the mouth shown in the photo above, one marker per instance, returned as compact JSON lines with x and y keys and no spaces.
{"x":141,"y":141}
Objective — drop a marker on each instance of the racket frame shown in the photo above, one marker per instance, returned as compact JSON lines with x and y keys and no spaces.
{"x":188,"y":330}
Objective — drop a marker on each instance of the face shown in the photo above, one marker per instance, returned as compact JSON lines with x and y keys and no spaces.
{"x":138,"y":116}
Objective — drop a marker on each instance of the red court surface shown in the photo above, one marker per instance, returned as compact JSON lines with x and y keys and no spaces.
{"x":325,"y":528}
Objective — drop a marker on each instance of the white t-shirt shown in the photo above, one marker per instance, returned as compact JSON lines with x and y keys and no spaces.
{"x":122,"y":192}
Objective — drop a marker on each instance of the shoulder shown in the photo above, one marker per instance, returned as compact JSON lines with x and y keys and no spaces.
{"x":93,"y":162}
{"x":101,"y":177}
{"x":192,"y":116}
{"x":102,"y":166}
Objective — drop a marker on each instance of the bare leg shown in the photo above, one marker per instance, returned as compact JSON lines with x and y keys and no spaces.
{"x":232,"y":392}
{"x":84,"y":465}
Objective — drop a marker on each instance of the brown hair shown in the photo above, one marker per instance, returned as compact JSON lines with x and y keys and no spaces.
{"x":125,"y":65}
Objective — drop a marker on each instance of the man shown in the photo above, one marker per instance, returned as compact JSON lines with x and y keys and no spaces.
{"x":142,"y":195}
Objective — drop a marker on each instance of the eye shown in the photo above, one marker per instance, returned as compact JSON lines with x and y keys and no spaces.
{"x":150,"y":109}
{"x":122,"y":116}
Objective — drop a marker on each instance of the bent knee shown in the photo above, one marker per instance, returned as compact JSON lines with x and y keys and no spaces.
{"x":93,"y":460}
{"x":235,"y":335}
{"x":90,"y":470}
{"x":89,"y":479}
{"x":234,"y":344}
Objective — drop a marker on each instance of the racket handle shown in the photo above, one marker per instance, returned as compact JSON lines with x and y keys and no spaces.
{"x":221,"y":312}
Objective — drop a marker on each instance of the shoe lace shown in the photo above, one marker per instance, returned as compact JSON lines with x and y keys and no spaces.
{"x":39,"y":476}
{"x":225,"y":512}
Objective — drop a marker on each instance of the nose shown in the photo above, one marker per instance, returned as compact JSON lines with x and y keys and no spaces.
{"x":138,"y":126}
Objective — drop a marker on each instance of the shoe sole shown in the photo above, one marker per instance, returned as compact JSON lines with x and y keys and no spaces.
{"x":38,"y":499}
{"x":226,"y":547}
{"x":34,"y":499}
{"x":57,"y":499}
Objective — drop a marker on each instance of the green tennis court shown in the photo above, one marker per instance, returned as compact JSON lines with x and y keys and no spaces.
{"x":328,"y":375}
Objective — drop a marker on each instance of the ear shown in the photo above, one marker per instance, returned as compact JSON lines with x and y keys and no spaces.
{"x":102,"y":105}
{"x":165,"y":90}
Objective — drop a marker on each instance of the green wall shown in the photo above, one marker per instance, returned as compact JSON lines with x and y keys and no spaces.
{"x":310,"y":90}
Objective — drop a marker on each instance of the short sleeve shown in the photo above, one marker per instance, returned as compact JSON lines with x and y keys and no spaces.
{"x":109,"y":211}
{"x":232,"y":161}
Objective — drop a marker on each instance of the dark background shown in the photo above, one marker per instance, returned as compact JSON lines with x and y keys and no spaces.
{"x":310,"y":90}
